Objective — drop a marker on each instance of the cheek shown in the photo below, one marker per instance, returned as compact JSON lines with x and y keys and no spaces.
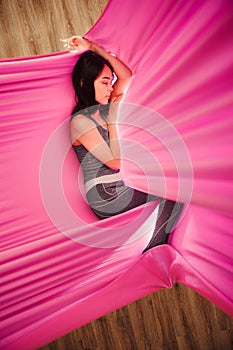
{"x":99,"y":90}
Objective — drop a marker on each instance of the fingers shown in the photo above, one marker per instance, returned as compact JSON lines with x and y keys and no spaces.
{"x":117,"y":98}
{"x":72,"y":42}
{"x":76,"y":40}
{"x":76,"y":43}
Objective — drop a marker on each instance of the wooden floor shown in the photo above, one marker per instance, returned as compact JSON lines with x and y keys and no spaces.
{"x":169,"y":319}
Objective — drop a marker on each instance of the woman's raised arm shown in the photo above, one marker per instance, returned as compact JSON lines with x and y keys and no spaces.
{"x":123,"y":73}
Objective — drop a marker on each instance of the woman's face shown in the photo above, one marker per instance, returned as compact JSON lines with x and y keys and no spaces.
{"x":103,"y":85}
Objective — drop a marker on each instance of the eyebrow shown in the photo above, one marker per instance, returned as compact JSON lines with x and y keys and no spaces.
{"x":107,"y":78}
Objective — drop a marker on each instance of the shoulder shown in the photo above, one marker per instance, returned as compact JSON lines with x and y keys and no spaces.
{"x":82,"y":122}
{"x":80,"y":119}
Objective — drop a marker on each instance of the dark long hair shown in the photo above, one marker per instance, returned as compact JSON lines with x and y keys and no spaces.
{"x":86,"y":70}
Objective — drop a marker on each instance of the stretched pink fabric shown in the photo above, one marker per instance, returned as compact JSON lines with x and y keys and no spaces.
{"x":60,"y":267}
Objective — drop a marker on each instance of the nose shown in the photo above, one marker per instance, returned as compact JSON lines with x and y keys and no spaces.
{"x":110,"y":88}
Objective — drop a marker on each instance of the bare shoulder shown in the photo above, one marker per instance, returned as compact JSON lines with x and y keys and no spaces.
{"x":80,"y":121}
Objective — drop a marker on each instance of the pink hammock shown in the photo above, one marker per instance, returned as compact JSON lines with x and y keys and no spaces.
{"x":60,"y":267}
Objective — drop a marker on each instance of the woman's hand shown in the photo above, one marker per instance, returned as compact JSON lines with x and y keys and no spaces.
{"x":114,"y":109}
{"x":117,"y":98}
{"x":77,"y":43}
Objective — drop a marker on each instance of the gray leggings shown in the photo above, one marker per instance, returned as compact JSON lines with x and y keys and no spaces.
{"x":108,"y":200}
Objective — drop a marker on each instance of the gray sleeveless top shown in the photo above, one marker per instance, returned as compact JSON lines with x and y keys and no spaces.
{"x":94,"y":171}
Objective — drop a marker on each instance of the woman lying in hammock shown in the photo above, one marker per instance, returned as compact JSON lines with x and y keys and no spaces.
{"x":95,"y":140}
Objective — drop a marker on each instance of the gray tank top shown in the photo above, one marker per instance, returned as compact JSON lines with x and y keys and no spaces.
{"x":94,"y":170}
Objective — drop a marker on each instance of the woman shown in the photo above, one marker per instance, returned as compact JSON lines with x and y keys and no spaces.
{"x":95,"y":140}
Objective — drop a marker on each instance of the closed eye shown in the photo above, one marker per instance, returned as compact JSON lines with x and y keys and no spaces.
{"x":106,"y":80}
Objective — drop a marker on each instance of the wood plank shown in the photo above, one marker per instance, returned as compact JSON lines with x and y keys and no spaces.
{"x":31,"y":27}
{"x":170,"y":319}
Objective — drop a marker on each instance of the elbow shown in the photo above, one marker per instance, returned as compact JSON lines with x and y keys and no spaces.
{"x":128,"y":76}
{"x":114,"y":164}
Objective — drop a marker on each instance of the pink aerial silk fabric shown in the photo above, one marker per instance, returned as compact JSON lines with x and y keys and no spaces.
{"x":60,"y":267}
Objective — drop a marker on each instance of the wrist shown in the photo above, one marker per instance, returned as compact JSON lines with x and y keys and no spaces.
{"x":99,"y":50}
{"x":93,"y":46}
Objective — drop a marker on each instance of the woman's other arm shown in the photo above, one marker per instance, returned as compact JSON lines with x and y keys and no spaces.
{"x":86,"y":133}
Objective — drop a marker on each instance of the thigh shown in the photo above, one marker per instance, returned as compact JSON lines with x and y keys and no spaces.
{"x":109,"y":200}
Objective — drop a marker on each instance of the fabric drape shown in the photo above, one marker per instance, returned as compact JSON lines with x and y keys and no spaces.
{"x":60,"y":266}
